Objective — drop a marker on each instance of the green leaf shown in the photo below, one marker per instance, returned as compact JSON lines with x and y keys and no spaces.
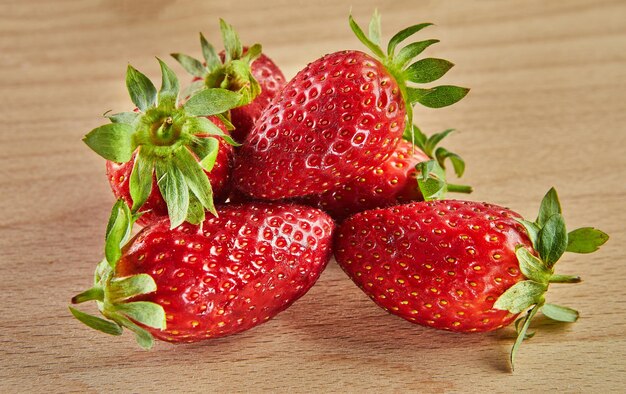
{"x":411,"y":51}
{"x":212,"y":102}
{"x":103,"y":271}
{"x":113,"y":141}
{"x":427,"y":70}
{"x":196,"y":213}
{"x":142,"y":336}
{"x":441,"y":154}
{"x":552,"y":240}
{"x":226,"y":121}
{"x":232,"y":43}
{"x":105,"y":326}
{"x":123,"y":117}
{"x":532,"y":229}
{"x":560,"y":313}
{"x":532,"y":268}
{"x":206,"y":149}
{"x":199,"y":126}
{"x":93,"y":294}
{"x":403,"y":35}
{"x":118,"y":231}
{"x":192,"y":89}
{"x":550,"y":205}
{"x":442,"y":96}
{"x":210,"y":56}
{"x":519,"y":326}
{"x":168,"y":95}
{"x":522,"y":334}
{"x":366,"y":41}
{"x":140,"y":183}
{"x":195,"y":178}
{"x":120,"y":289}
{"x":520,"y":296}
{"x":374,"y":28}
{"x":174,"y":191}
{"x":414,"y":95}
{"x":252,"y":53}
{"x":141,"y":89}
{"x":434,"y":140}
{"x":191,"y":65}
{"x":253,"y":91}
{"x":585,"y":240}
{"x":147,"y":313}
{"x":431,"y":180}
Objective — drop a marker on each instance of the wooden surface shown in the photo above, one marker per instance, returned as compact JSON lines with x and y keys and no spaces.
{"x":547,"y":107}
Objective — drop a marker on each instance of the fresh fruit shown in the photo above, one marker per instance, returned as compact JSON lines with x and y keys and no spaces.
{"x":392,"y":182}
{"x":168,"y":146}
{"x":191,"y":283}
{"x":395,"y":181}
{"x":339,"y":117}
{"x":240,"y":69}
{"x":461,"y":265}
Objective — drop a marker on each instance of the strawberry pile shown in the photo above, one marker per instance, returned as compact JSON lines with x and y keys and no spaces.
{"x":245,"y":185}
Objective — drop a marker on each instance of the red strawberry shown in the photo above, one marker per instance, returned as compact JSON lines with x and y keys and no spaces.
{"x":461,"y":265}
{"x":393,"y":182}
{"x":192,"y":283}
{"x":237,"y":68}
{"x":181,"y":146}
{"x":338,"y":118}
{"x":155,"y":207}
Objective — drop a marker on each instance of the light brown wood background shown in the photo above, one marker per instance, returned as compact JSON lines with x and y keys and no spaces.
{"x":547,"y":107}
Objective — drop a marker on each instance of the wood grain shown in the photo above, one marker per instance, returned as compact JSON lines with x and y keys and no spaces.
{"x":547,"y":108}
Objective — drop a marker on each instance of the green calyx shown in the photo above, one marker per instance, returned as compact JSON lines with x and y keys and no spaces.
{"x":406,"y":69}
{"x":114,"y":295}
{"x":166,"y":138}
{"x":431,"y":174}
{"x":233,"y":73}
{"x":550,"y":240}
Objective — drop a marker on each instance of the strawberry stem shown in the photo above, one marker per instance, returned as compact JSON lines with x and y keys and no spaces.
{"x":555,"y":278}
{"x":164,"y":132}
{"x":454,"y":188}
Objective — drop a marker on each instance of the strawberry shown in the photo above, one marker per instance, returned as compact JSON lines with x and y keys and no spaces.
{"x":193,"y":283}
{"x":181,"y":146}
{"x":393,"y":182}
{"x":461,"y":265}
{"x":339,"y":117}
{"x":240,"y":69}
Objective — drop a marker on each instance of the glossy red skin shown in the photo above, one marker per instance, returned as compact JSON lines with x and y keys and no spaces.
{"x":271,"y":79}
{"x":155,"y":207}
{"x":338,"y":118}
{"x":235,"y":272}
{"x":440,"y":263}
{"x":390,"y":183}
